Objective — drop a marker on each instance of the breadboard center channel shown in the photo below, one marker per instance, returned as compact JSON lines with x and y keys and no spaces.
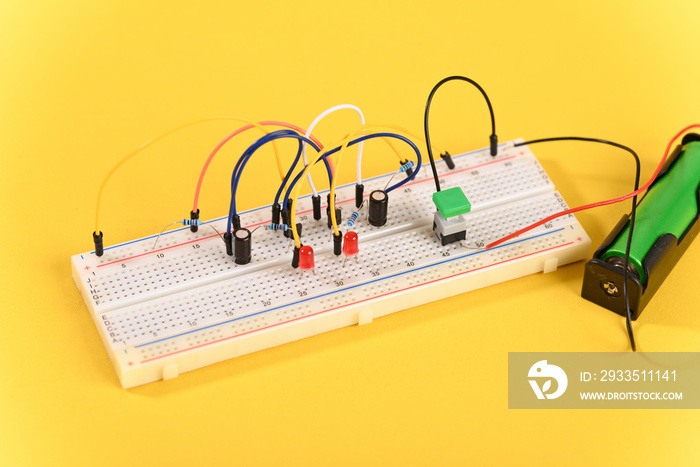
{"x":185,"y":304}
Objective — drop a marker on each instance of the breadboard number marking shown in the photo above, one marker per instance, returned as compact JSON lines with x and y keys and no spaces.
{"x":338,"y":283}
{"x":410,"y":264}
{"x":406,"y":190}
{"x":302,"y":293}
{"x":196,"y":246}
{"x":108,"y":327}
{"x":160,"y":255}
{"x":374,"y":273}
{"x":561,"y":202}
{"x":445,"y":253}
{"x":192,"y":323}
{"x":266,"y":302}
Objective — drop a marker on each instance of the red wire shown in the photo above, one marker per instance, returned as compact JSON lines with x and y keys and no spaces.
{"x":600,"y":203}
{"x":237,"y":132}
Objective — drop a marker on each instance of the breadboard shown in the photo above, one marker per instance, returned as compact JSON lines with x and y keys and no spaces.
{"x":184,"y":305}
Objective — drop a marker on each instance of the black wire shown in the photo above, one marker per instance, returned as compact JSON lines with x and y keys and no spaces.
{"x":632,"y":216}
{"x":427,"y":112}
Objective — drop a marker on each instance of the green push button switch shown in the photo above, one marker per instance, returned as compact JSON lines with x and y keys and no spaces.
{"x":451,"y":202}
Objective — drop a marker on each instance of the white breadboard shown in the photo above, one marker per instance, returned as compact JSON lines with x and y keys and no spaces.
{"x":186,"y":304}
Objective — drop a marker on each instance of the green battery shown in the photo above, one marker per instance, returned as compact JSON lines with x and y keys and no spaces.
{"x":669,"y":206}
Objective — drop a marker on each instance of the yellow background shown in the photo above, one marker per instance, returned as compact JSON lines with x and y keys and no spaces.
{"x":84,"y":82}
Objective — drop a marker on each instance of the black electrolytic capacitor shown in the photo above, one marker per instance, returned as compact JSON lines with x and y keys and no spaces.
{"x":241,"y":246}
{"x":378,"y":207}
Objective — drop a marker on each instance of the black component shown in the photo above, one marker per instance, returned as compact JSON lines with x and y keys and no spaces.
{"x":236,"y":222}
{"x":359,"y":194}
{"x":276,"y":209}
{"x":338,"y":213}
{"x":408,"y":171}
{"x":378,"y":207}
{"x":338,"y":216}
{"x":242,"y":246}
{"x":289,"y":208}
{"x":338,"y":243}
{"x":285,"y":217}
{"x":289,"y":234}
{"x":602,"y":281}
{"x":448,"y":160}
{"x":295,"y":257}
{"x":228,"y":240}
{"x":316,"y":201}
{"x":99,"y":246}
{"x":493,"y":139}
{"x":194,"y":216}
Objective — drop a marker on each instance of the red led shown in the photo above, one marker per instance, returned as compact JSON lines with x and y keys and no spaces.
{"x":306,"y":258}
{"x":351,"y":245}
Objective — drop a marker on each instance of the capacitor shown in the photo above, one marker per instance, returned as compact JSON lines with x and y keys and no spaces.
{"x":378,"y":207}
{"x":241,"y":246}
{"x":306,"y":258}
{"x":351,"y":245}
{"x":194,"y":218}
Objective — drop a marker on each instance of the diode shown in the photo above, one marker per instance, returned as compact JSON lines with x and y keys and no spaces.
{"x":378,"y":207}
{"x":306,"y":258}
{"x":241,"y":246}
{"x":351,"y":245}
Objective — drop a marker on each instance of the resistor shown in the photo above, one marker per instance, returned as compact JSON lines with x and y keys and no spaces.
{"x":355,"y":215}
{"x":190,"y":222}
{"x":408,"y":165}
{"x":283,"y":227}
{"x":353,"y":218}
